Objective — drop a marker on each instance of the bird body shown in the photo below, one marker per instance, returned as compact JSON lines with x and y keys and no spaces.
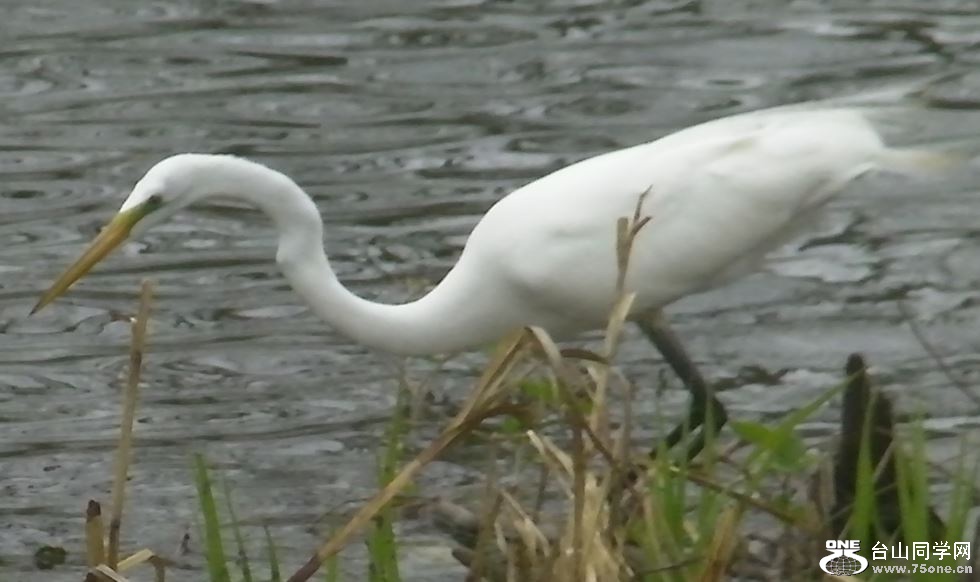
{"x":719,"y":196}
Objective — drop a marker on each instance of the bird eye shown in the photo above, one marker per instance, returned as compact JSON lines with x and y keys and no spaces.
{"x":153,"y":202}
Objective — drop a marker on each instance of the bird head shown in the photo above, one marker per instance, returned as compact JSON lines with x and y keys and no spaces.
{"x":166,"y":188}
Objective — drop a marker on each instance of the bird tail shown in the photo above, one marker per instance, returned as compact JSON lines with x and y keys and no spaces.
{"x":910,"y":161}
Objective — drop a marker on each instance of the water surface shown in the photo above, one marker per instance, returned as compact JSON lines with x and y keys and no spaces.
{"x":406,"y":121}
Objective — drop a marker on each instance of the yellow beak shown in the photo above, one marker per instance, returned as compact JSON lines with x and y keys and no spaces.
{"x":111,"y":237}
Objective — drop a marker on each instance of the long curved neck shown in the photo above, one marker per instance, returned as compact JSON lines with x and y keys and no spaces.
{"x":450,"y":318}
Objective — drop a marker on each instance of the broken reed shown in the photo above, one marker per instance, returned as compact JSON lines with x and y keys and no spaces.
{"x":102,"y":555}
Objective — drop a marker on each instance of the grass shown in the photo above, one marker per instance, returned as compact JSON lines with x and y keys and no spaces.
{"x":588,"y":505}
{"x":214,"y":547}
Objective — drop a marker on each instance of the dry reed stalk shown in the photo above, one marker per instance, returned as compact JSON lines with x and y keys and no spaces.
{"x":485,"y":529}
{"x":722,"y":546}
{"x":103,"y":572}
{"x":569,"y":382}
{"x":145,"y":556}
{"x":485,"y":533}
{"x":130,"y":397}
{"x":585,"y":549}
{"x":627,"y":229}
{"x":94,"y":534}
{"x":535,"y":546}
{"x":141,"y":557}
{"x":587,"y":493}
{"x":616,"y":479}
{"x":578,"y":504}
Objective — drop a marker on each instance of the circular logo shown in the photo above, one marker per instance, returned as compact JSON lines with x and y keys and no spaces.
{"x":844,"y":566}
{"x":843,"y":558}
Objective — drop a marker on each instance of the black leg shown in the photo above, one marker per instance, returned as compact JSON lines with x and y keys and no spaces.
{"x":706,"y":411}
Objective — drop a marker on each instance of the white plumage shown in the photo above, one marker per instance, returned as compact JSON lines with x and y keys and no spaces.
{"x":721,"y":195}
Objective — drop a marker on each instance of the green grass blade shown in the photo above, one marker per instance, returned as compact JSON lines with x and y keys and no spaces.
{"x":214,"y":550}
{"x":798,"y":416}
{"x":332,"y":569}
{"x":383,"y":550}
{"x":920,"y":475}
{"x":274,"y":574}
{"x":237,"y":532}
{"x":962,"y":498}
{"x":381,"y":543}
{"x":780,"y":444}
{"x":863,"y":512}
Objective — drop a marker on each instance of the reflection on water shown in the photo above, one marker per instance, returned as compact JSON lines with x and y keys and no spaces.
{"x":406,"y":121}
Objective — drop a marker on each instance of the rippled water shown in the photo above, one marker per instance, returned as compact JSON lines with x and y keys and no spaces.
{"x":406,"y":121}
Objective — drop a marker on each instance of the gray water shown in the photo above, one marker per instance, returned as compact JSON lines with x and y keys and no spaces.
{"x":406,"y":121}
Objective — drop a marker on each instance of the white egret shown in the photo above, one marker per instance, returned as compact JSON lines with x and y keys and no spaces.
{"x":721,"y":195}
